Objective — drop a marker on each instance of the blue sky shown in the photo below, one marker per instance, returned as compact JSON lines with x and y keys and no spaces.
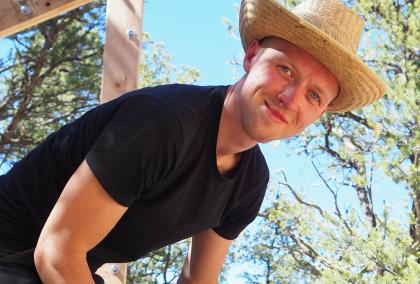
{"x":193,"y":32}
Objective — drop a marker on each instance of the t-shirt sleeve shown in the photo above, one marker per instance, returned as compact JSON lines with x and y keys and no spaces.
{"x":244,"y":212}
{"x":137,"y":147}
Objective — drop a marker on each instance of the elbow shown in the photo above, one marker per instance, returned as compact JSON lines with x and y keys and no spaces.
{"x":60,"y":264}
{"x":49,"y":261}
{"x":45,"y":261}
{"x":40,"y":259}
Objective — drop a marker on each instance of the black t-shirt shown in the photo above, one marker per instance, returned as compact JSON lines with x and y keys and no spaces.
{"x":152,"y":150}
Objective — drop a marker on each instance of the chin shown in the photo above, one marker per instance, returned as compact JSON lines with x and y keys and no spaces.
{"x":264,"y":133}
{"x":278,"y":137}
{"x":261,"y":138}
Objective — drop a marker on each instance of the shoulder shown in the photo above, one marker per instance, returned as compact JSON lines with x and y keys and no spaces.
{"x":169,"y":91}
{"x":169,"y":97}
{"x":130,"y":106}
{"x":187,"y":100}
{"x":138,"y":107}
{"x":138,"y":147}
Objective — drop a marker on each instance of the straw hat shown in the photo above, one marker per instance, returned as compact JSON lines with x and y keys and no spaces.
{"x":329,"y":31}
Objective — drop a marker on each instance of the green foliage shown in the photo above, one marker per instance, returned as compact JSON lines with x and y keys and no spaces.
{"x":162,"y":266}
{"x":297,"y":243}
{"x":156,"y":67}
{"x":352,"y":151}
{"x":50,"y":78}
{"x":396,"y":27}
{"x":53,"y":76}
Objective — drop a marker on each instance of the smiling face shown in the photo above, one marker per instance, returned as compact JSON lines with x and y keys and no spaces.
{"x":284,"y":90}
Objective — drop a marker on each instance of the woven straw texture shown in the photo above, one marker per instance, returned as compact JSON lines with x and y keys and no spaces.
{"x":326,"y":29}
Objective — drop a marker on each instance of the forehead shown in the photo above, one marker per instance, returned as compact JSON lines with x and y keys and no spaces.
{"x":283,"y":48}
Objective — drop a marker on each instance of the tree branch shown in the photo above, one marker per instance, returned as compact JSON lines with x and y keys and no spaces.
{"x":300,"y":200}
{"x":337,"y":208}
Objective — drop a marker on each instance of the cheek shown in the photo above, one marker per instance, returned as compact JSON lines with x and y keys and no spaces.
{"x":261,"y":78}
{"x":308,"y":119}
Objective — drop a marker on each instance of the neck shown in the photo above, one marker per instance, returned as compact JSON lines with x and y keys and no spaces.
{"x":231,"y":139}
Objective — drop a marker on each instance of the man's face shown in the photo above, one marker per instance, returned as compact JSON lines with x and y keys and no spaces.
{"x":285,"y":89}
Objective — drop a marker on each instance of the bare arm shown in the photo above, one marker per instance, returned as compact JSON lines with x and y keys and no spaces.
{"x":205,"y":258}
{"x":83,"y":215}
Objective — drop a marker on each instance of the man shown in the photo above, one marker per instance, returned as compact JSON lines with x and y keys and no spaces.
{"x":162,"y":164}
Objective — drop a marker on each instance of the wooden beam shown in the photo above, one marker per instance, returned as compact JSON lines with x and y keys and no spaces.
{"x":113,"y":273}
{"x":124,"y":28}
{"x":18,"y":15}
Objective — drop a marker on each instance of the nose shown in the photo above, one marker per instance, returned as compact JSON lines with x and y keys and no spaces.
{"x":290,"y":97}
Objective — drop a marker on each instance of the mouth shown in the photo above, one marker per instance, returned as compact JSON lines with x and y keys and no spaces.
{"x":275,"y":115}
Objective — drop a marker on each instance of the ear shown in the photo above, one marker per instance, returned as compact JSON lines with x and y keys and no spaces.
{"x":250,"y":54}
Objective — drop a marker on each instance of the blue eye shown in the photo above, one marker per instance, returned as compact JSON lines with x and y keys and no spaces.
{"x":286,"y":70}
{"x":314,"y":96}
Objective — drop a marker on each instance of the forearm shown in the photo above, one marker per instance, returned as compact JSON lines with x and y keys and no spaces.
{"x":183,"y":280}
{"x":186,"y":276}
{"x":205,"y":258}
{"x":63,"y":269}
{"x":188,"y":280}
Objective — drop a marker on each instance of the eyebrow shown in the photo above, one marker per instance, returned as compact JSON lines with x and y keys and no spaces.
{"x":321,"y":91}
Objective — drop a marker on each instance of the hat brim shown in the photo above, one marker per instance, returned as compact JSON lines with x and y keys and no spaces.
{"x":359,"y":85}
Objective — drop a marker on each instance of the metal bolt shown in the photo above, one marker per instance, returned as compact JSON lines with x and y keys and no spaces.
{"x":131,"y":34}
{"x":25,"y":9}
{"x":114,"y":269}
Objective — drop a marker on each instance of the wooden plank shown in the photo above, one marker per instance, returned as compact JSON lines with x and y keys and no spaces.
{"x":124,"y":26}
{"x":18,"y":15}
{"x":113,"y":273}
{"x":121,"y":55}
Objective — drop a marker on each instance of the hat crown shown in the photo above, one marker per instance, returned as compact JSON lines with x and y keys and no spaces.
{"x":334,"y":19}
